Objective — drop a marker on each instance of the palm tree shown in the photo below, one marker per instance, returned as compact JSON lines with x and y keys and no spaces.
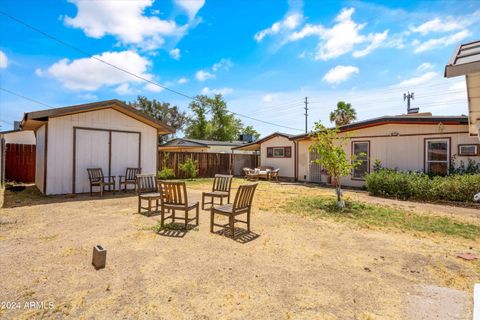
{"x":344,"y":114}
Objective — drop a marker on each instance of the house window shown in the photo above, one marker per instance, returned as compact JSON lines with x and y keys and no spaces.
{"x":468,"y":149}
{"x":279,"y":152}
{"x":361,"y":150}
{"x":437,"y":156}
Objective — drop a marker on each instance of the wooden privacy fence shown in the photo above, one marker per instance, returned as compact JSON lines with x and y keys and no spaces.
{"x":208,"y":163}
{"x":20,"y":162}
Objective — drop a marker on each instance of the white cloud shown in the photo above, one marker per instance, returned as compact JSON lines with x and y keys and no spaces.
{"x":175,"y":53}
{"x":123,"y":89}
{"x":340,"y":74}
{"x":152,"y":87}
{"x":91,"y":74}
{"x":125,"y":20}
{"x":415,"y":81}
{"x":439,"y":42}
{"x":182,"y":80}
{"x":222,"y":91}
{"x":425,"y":66}
{"x":290,"y":22}
{"x":341,"y":38}
{"x":191,"y":7}
{"x":3,"y":60}
{"x":268,"y":97}
{"x":460,"y":85}
{"x":88,"y":96}
{"x":203,"y":75}
{"x":376,"y":41}
{"x":437,"y":25}
{"x":223,"y":64}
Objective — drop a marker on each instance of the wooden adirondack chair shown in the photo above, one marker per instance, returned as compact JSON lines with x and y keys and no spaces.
{"x":175,"y":198}
{"x":242,"y":204}
{"x":220,"y":189}
{"x":147,"y":189}
{"x":130,"y":177}
{"x":97,"y":179}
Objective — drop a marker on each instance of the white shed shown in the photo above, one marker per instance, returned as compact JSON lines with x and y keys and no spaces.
{"x":107,"y":134}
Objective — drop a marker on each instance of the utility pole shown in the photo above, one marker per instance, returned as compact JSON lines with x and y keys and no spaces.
{"x":306,"y":114}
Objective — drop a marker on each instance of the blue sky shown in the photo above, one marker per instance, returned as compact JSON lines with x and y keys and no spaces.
{"x":264,"y":56}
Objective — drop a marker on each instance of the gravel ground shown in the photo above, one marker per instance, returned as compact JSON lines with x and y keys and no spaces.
{"x":288,"y":267}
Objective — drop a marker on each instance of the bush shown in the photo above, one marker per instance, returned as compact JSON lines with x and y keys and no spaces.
{"x":166,"y":172}
{"x":189,"y":168}
{"x":419,"y":186}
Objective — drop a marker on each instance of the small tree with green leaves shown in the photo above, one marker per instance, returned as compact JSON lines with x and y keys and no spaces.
{"x":332,"y":156}
{"x":189,"y":168}
{"x":166,"y":172}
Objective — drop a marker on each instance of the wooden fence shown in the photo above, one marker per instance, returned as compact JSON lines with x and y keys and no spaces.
{"x":208,"y":163}
{"x":20,"y":162}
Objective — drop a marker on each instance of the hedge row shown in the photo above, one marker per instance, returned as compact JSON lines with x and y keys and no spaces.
{"x":419,"y":186}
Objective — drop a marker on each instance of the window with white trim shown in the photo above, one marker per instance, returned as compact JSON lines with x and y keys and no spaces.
{"x":361,"y":151}
{"x":279,"y":152}
{"x":437,"y":156}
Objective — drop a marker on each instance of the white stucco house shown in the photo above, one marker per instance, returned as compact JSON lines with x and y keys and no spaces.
{"x":106,"y":134}
{"x":277,"y":151}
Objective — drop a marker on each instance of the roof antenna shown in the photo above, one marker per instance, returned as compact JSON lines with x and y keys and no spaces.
{"x":410,"y":96}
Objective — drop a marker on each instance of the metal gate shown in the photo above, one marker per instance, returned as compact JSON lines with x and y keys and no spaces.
{"x":20,"y":162}
{"x":314,"y":169}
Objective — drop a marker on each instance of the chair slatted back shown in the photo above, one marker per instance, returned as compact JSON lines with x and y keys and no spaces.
{"x":244,"y":196}
{"x":222,"y":183}
{"x":131,"y":173}
{"x":175,"y":193}
{"x":147,"y":183}
{"x":95,"y":174}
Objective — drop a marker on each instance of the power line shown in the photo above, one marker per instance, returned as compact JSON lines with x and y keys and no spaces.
{"x":120,"y":69}
{"x":306,"y":114}
{"x":26,"y":98}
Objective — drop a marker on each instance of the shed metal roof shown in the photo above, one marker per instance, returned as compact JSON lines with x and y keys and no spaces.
{"x":400,"y":119}
{"x":192,"y":143}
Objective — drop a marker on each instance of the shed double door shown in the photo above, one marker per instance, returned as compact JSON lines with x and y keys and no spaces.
{"x":113,"y":151}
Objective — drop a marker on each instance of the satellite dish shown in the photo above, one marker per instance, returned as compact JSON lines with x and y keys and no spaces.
{"x":476,"y":197}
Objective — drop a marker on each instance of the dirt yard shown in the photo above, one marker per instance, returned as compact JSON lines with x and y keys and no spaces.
{"x":289,"y":267}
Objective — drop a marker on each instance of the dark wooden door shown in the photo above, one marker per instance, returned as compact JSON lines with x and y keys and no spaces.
{"x":20,"y":162}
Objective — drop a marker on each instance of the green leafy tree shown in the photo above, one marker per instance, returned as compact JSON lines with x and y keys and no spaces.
{"x":224,"y":125}
{"x":251,"y":131}
{"x":332,"y":156}
{"x":161,"y":111}
{"x":198,"y":126}
{"x":344,"y":114}
{"x":221,"y":125}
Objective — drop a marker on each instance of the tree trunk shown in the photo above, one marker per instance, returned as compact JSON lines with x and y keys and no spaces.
{"x":338,"y":189}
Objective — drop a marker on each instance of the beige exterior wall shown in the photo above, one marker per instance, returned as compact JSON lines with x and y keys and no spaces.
{"x":404,"y":151}
{"x":40,"y":158}
{"x":60,"y":144}
{"x":20,"y":137}
{"x":286,"y":165}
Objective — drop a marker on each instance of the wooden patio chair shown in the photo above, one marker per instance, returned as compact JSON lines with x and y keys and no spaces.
{"x":220,"y":189}
{"x":97,"y":179}
{"x":242,"y":204}
{"x":130,"y":177}
{"x":250,"y":174}
{"x":273,"y":175}
{"x":175,"y":198}
{"x":147,"y":189}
